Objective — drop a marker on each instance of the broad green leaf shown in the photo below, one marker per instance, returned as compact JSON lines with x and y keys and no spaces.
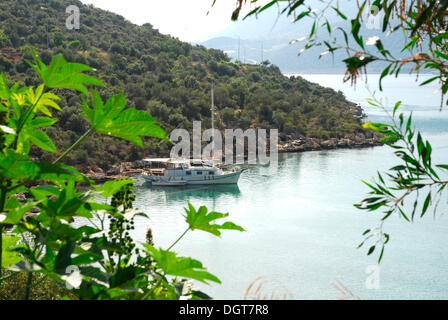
{"x":39,"y":139}
{"x":4,"y":88}
{"x":14,"y":211}
{"x":17,"y":166}
{"x":123,"y":277}
{"x":69,"y":202}
{"x":10,"y":258}
{"x":64,"y":75}
{"x":202,"y":220}
{"x":111,"y":119}
{"x":64,"y":257}
{"x":173,"y":265}
{"x":41,"y":100}
{"x":379,"y":127}
{"x":41,"y":122}
{"x":112,"y":187}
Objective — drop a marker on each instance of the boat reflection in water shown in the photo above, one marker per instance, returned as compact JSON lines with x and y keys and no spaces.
{"x":185,"y":193}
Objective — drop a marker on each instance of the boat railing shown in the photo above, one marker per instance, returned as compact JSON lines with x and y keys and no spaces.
{"x":156,"y":172}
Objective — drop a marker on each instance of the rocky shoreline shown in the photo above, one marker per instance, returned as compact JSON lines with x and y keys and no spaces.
{"x":119,"y":171}
{"x":357,"y":140}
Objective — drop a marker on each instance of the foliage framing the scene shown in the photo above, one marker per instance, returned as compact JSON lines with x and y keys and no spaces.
{"x":54,"y":234}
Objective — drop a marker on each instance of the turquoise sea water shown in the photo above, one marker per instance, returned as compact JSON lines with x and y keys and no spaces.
{"x":302,"y":228}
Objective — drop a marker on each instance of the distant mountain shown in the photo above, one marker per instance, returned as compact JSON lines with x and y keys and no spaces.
{"x":269,"y":38}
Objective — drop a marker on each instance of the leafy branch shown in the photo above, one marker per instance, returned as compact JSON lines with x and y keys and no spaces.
{"x":416,"y":174}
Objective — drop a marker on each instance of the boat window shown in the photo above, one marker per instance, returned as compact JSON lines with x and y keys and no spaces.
{"x":198,"y":172}
{"x":188,"y":173}
{"x":211,"y":173}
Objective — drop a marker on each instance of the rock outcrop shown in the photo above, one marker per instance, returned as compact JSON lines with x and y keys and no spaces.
{"x":350,"y":141}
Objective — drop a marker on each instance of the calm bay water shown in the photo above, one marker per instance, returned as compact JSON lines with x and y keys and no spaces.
{"x":302,"y":228}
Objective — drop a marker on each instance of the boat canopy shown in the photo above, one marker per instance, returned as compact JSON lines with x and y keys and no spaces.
{"x":163,"y":160}
{"x":169,"y":160}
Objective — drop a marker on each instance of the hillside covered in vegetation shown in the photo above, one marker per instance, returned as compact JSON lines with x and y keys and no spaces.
{"x":167,"y":78}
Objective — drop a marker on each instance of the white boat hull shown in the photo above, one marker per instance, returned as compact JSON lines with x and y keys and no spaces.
{"x":169,"y":183}
{"x":228,"y":178}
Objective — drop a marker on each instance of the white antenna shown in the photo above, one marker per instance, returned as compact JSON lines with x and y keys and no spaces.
{"x":262,"y":51}
{"x":239,"y":49}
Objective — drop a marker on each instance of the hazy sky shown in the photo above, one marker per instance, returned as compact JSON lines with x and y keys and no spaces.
{"x":185,"y":19}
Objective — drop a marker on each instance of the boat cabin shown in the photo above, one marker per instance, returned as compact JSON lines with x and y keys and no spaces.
{"x":177,"y":168}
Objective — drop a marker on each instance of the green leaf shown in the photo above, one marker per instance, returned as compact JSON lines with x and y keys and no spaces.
{"x":10,"y":258}
{"x":426,"y":204}
{"x":387,"y":236}
{"x":41,"y":122}
{"x":202,"y":219}
{"x":384,"y":73}
{"x":441,"y":54}
{"x":173,"y":265}
{"x":64,"y":75}
{"x":356,"y":26}
{"x":17,"y":166}
{"x":267,"y":6}
{"x":381,"y":255}
{"x":68,"y":203}
{"x":429,"y":80}
{"x":112,"y":187}
{"x":199,"y":295}
{"x":130,"y":124}
{"x":63,"y":258}
{"x":339,"y":13}
{"x":420,"y":144}
{"x":379,"y":127}
{"x":4,"y":88}
{"x":313,"y":30}
{"x":14,"y":213}
{"x":356,"y":62}
{"x":408,"y":124}
{"x":397,"y":105}
{"x":443,"y":166}
{"x":42,"y":140}
{"x":41,"y":100}
{"x":403,"y":215}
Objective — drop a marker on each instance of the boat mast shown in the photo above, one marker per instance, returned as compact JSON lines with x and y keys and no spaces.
{"x":213,"y":120}
{"x":213,"y":105}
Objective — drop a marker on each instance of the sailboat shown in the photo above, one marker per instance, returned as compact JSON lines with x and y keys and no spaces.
{"x":181,"y":172}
